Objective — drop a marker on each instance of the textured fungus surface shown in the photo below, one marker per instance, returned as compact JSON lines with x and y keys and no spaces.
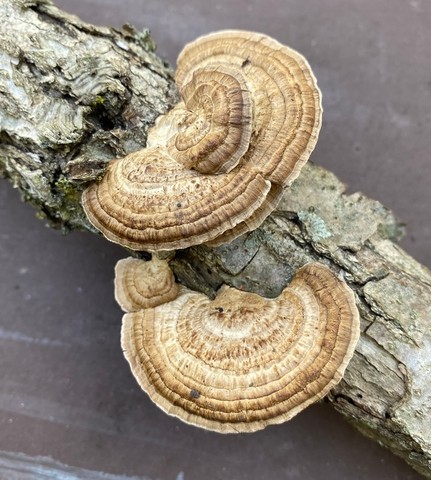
{"x":140,"y":284}
{"x":215,"y":165}
{"x":287,"y":104}
{"x":211,"y":131}
{"x":147,"y":200}
{"x":241,"y":362}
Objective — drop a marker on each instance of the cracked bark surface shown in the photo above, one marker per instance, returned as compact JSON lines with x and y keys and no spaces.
{"x":73,"y":96}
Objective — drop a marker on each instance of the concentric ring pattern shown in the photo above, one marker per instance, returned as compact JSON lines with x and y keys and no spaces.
{"x":140,"y":284}
{"x":216,"y":165}
{"x":241,"y":362}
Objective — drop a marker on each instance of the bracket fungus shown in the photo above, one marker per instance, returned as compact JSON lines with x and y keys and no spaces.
{"x":210,"y":130}
{"x":241,"y":362}
{"x":141,"y":284}
{"x":216,"y":165}
{"x":149,"y":201}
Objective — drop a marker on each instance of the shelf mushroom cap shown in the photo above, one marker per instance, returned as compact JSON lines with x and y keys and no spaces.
{"x":147,"y":201}
{"x":216,"y":165}
{"x":287,"y":109}
{"x":241,"y":362}
{"x":143,"y":284}
{"x":210,"y":130}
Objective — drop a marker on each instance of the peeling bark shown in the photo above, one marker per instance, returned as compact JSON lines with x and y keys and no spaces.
{"x":73,"y":96}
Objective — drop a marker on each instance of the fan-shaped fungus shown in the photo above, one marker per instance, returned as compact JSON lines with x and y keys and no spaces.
{"x":140,"y":284}
{"x":286,"y":100}
{"x":149,"y":201}
{"x":241,"y":362}
{"x":210,"y":130}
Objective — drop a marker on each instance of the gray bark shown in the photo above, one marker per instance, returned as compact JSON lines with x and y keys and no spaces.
{"x":73,"y":96}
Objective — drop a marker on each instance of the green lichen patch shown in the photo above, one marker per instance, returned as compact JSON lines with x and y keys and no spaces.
{"x":315,"y":226}
{"x":69,"y":191}
{"x":68,"y":210}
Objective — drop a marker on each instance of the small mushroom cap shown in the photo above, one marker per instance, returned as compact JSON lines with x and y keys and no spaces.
{"x":141,"y":284}
{"x":148,"y":201}
{"x":241,"y":362}
{"x":210,"y":130}
{"x":286,"y":100}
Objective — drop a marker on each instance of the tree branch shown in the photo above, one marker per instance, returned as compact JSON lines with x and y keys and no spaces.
{"x":73,"y":96}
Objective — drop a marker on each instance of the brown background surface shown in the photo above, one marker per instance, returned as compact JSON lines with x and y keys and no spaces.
{"x":65,"y":390}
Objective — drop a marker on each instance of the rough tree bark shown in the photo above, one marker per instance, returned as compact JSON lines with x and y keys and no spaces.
{"x":73,"y":96}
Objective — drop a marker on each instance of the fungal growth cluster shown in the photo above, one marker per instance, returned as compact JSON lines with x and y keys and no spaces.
{"x":214,"y":168}
{"x":216,"y":165}
{"x":239,"y":362}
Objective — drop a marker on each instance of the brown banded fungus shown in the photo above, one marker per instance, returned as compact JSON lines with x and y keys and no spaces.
{"x":149,"y":201}
{"x":286,"y":100}
{"x":210,"y":130}
{"x":140,"y":284}
{"x":216,"y":165}
{"x":241,"y":362}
